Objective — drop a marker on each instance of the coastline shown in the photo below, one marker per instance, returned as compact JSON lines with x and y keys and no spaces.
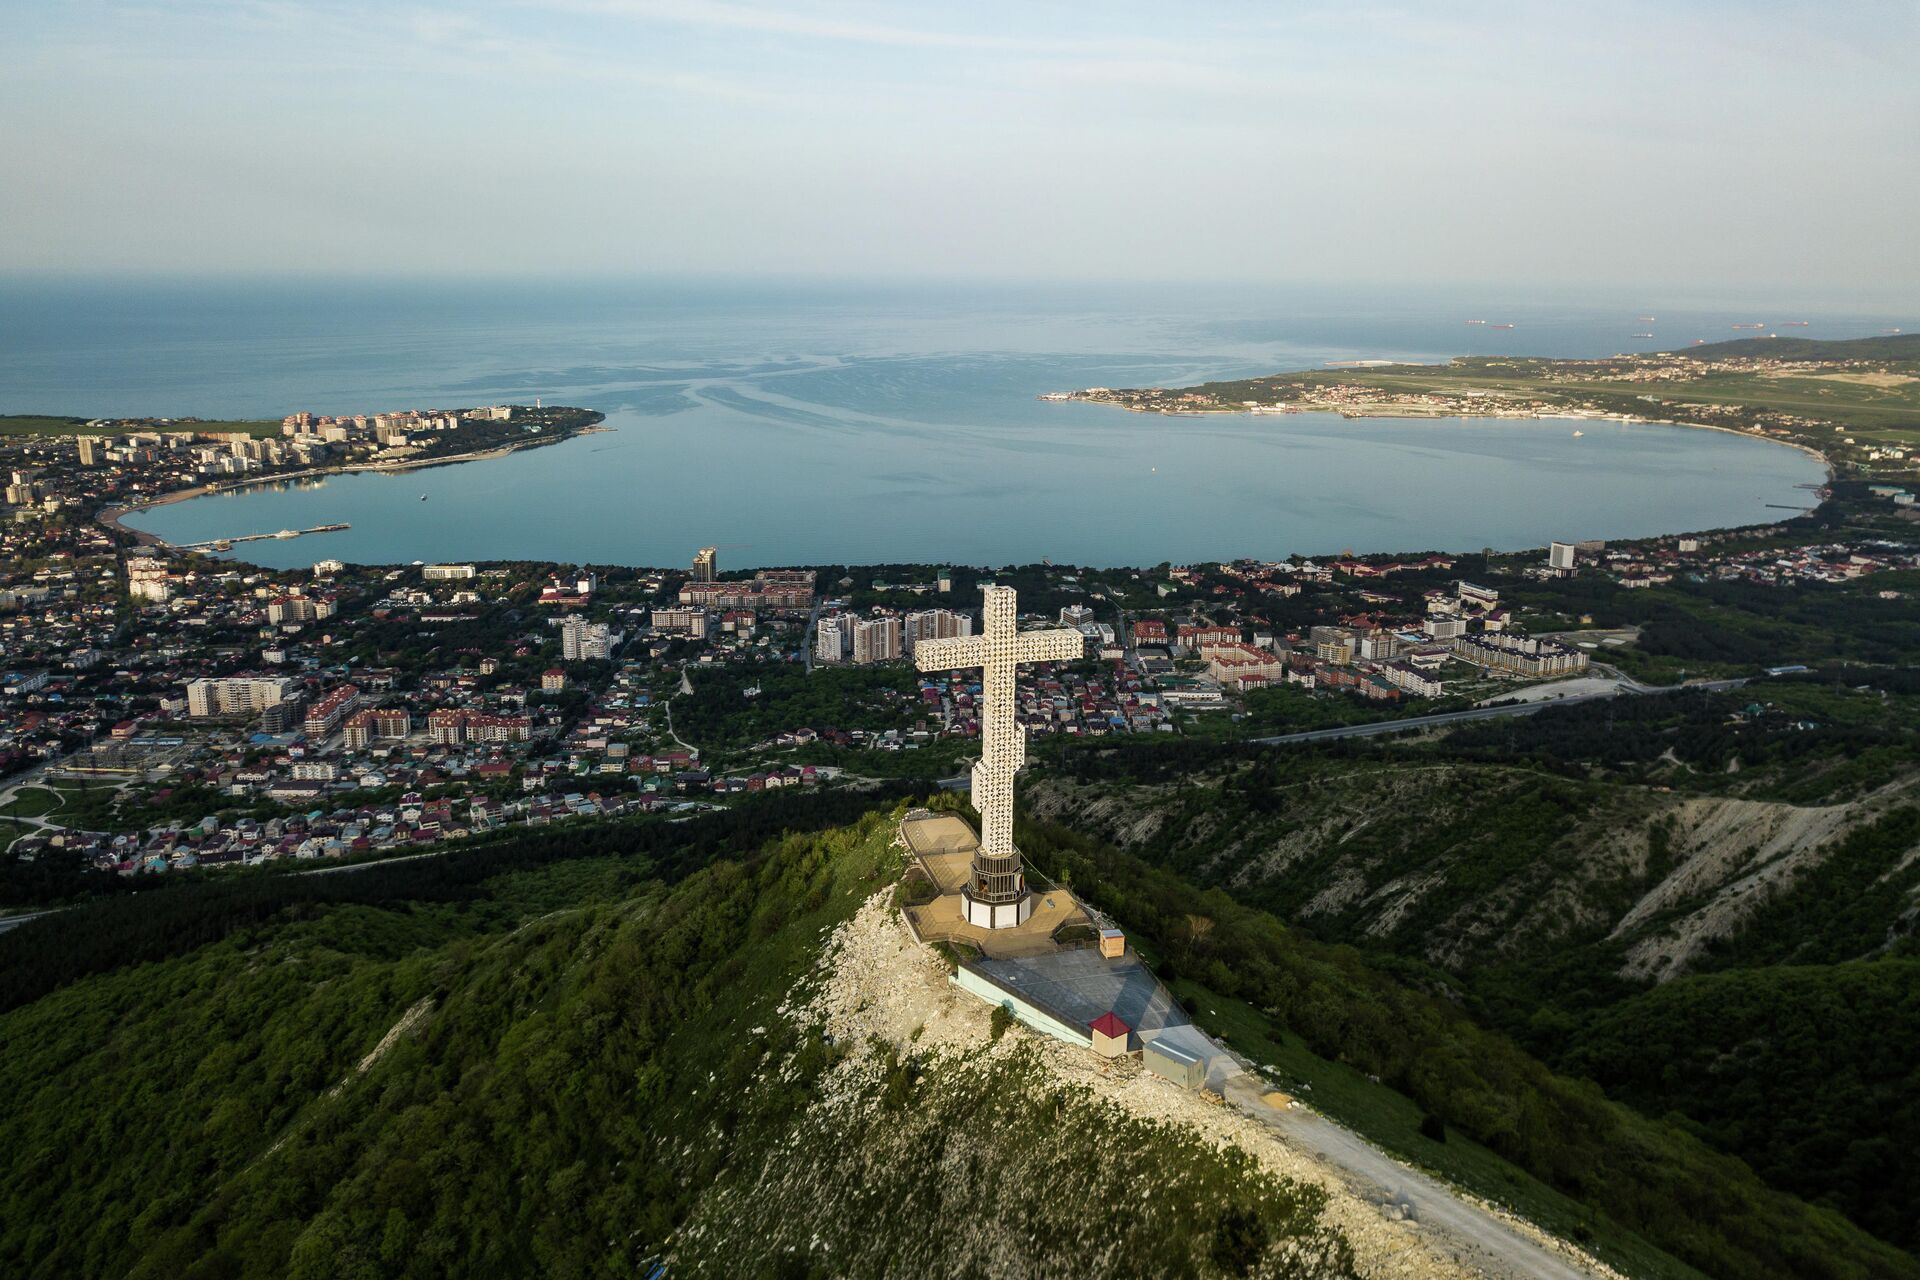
{"x":114,"y":518}
{"x":1570,"y":415}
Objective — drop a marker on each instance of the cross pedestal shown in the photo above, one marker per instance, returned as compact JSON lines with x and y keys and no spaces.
{"x":996,"y":895}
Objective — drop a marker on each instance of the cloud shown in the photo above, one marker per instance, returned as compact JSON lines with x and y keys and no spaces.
{"x":792,"y":22}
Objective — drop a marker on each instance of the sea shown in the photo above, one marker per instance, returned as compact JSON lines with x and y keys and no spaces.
{"x":810,"y":422}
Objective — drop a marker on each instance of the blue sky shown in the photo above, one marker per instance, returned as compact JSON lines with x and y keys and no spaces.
{"x":1705,"y":145}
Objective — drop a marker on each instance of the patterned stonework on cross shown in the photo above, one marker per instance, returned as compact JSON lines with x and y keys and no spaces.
{"x":997,"y":651}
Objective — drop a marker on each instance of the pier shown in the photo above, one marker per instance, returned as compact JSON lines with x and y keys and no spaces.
{"x":226,"y":544}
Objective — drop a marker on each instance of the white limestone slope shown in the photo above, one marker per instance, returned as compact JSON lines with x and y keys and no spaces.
{"x":1401,"y":1224}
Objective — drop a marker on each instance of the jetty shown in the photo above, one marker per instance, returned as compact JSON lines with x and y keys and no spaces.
{"x":226,"y":544}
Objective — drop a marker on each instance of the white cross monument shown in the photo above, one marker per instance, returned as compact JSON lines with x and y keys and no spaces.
{"x":996,"y":894}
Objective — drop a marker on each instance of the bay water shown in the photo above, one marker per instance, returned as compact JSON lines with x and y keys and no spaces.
{"x":797,"y":423}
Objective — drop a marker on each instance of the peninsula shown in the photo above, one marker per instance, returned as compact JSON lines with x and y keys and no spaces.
{"x":133,"y":463}
{"x":1855,"y":403}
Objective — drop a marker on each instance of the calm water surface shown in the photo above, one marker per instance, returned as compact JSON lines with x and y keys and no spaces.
{"x":823,"y":426}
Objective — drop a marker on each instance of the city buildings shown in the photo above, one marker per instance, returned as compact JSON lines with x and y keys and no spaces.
{"x":324,"y":716}
{"x":149,"y":579}
{"x":1194,"y":637}
{"x":689,"y":622}
{"x":769,"y":589}
{"x":1419,"y":683}
{"x":374,"y":724}
{"x":706,"y":564}
{"x":297,"y":608}
{"x":876,"y":639}
{"x":1521,"y":655}
{"x":1150,"y":631}
{"x":833,"y":639}
{"x":447,"y":726}
{"x":1338,"y":645}
{"x":933,"y":624}
{"x":574,"y":594}
{"x":1241,"y":666}
{"x":582,"y":641}
{"x":236,"y":695}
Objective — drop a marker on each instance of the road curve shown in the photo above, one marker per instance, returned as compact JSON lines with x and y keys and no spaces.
{"x":14,"y":922}
{"x":1483,"y":1240}
{"x":1413,"y":724}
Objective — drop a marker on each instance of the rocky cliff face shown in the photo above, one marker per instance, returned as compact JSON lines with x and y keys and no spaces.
{"x":1463,"y":865}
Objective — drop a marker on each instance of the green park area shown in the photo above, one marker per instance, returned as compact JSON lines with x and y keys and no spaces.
{"x":31,"y":802}
{"x":79,"y":805}
{"x":37,"y":424}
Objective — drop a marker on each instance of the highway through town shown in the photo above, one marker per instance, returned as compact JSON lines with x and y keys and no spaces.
{"x":14,"y":922}
{"x":1414,"y":724}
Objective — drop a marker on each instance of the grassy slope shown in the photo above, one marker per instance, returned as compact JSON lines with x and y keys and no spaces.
{"x":603,"y":1076}
{"x":1899,"y":346}
{"x":1877,"y":409}
{"x":31,"y":802}
{"x":1886,"y":413}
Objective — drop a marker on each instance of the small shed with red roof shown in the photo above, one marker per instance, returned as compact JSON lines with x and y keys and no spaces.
{"x":1109,"y":1035}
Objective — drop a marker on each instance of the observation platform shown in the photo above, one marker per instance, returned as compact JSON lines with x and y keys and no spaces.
{"x":943,"y":846}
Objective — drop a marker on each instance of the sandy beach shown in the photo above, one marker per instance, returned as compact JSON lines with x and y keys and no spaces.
{"x":114,"y":517}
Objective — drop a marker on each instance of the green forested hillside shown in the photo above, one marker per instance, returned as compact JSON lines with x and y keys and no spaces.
{"x":1781,"y":1064}
{"x":1898,"y":346}
{"x":1648,"y":1178}
{"x":568,"y":1068}
{"x":565,"y":1054}
{"x":1550,"y":874}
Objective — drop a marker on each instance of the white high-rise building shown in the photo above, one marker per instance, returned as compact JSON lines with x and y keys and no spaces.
{"x":831,"y":641}
{"x":236,"y":695}
{"x":148,"y":579}
{"x":581,"y":640}
{"x":670,"y":621}
{"x":1560,"y":555}
{"x":934,"y":624}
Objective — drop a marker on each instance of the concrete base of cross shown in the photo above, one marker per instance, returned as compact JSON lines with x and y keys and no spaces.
{"x":996,"y":915}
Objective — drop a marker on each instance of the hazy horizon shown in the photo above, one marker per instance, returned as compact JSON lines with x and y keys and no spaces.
{"x":1699,"y":151}
{"x":1885,"y":302}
